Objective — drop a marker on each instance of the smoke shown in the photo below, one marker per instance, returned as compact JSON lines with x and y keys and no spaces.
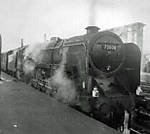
{"x":28,"y":66}
{"x":34,"y":51}
{"x":32,"y":55}
{"x":65,"y":88}
{"x":92,"y":12}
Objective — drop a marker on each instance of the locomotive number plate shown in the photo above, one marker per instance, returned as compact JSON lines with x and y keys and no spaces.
{"x":109,"y":47}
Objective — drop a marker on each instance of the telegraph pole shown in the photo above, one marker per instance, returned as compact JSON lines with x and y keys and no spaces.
{"x":0,"y":55}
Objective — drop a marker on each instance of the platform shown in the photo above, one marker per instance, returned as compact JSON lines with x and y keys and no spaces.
{"x":24,"y":110}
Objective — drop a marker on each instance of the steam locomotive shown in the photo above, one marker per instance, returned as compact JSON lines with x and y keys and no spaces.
{"x":105,"y":72}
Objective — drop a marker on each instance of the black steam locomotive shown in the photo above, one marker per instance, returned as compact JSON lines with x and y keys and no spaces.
{"x":105,"y":72}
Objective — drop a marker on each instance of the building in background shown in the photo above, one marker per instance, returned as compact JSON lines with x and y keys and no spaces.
{"x":132,"y":33}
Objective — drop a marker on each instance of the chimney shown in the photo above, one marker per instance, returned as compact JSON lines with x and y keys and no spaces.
{"x":92,"y":29}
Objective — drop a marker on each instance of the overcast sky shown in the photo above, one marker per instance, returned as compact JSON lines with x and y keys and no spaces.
{"x":30,"y":19}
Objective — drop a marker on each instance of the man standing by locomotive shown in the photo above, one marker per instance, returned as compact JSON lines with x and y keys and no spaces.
{"x":96,"y":89}
{"x":96,"y":93}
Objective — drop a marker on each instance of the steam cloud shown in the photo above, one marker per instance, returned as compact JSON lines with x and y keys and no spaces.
{"x":65,"y":87}
{"x":92,"y":12}
{"x":28,"y":66}
{"x":34,"y":51}
{"x":32,"y":56}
